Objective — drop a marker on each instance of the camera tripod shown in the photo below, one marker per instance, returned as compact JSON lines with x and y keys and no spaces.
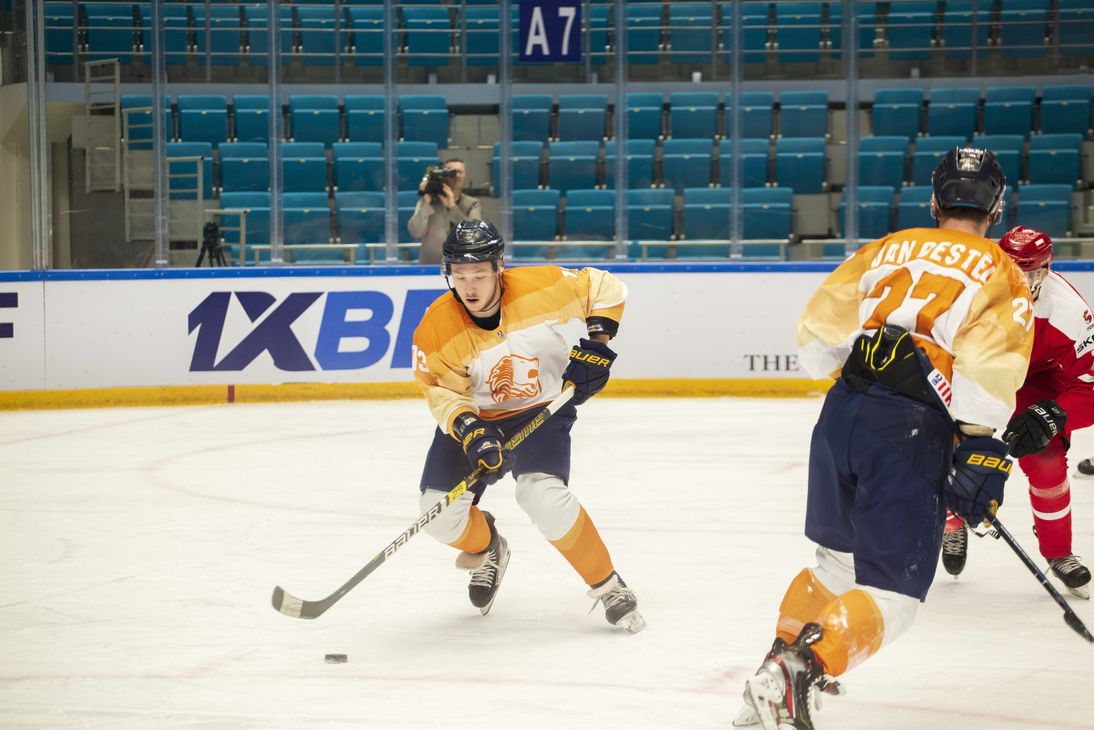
{"x":211,"y":245}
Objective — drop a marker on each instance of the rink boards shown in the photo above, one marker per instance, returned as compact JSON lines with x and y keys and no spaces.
{"x":216,"y":334}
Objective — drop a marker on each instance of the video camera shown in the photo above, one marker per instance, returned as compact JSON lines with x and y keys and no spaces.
{"x":435,"y":179}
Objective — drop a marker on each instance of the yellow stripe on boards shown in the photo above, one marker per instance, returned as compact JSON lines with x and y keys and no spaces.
{"x":180,"y":395}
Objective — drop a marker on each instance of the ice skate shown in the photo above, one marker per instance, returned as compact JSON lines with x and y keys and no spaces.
{"x":487,"y":568}
{"x":786,"y":690}
{"x":1072,"y":574}
{"x":620,"y":604}
{"x":1085,"y":469}
{"x":747,"y":716}
{"x":955,"y":546}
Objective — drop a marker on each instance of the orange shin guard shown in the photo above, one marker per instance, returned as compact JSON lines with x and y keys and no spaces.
{"x":804,"y":601}
{"x":476,"y":536}
{"x":853,"y":631}
{"x":585,"y":551}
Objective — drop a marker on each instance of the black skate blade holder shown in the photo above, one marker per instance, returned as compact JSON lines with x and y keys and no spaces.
{"x":998,"y":531}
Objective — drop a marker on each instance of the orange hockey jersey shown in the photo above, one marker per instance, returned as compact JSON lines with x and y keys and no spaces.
{"x":496,"y":373}
{"x":966,"y":303}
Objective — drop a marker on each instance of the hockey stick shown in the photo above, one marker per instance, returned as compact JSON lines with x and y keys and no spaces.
{"x":290,"y":605}
{"x":1070,"y":617}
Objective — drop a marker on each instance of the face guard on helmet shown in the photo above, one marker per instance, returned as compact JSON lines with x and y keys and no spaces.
{"x":969,"y":177}
{"x":1032,"y":251}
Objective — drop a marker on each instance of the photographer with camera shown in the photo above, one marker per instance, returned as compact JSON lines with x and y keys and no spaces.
{"x":442,"y":205}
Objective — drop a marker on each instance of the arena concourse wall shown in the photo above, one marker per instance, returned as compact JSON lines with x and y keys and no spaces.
{"x":153,"y":337}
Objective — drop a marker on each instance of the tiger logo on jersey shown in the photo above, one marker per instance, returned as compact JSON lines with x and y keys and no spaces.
{"x":514,"y":377}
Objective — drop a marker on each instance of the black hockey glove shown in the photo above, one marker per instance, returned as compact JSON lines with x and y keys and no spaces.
{"x":482,"y":446}
{"x":980,"y":469}
{"x":1032,"y":429}
{"x":588,"y":369}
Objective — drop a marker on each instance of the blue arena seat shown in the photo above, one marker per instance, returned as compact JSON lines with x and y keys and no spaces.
{"x":686,"y":163}
{"x":599,"y":23}
{"x":1054,"y":158}
{"x":644,"y":115}
{"x":109,"y":31}
{"x":526,"y":158}
{"x":881,"y":160}
{"x":757,"y":114}
{"x":572,"y":165}
{"x":1009,"y":150}
{"x":366,"y":34}
{"x":754,"y":30}
{"x":706,"y":217}
{"x":929,"y":151}
{"x":257,"y":207}
{"x":1066,"y":109}
{"x":535,"y":216}
{"x":867,"y":22}
{"x":303,"y":166}
{"x":136,"y":121}
{"x":364,"y":117}
{"x":1009,"y":110}
{"x":532,"y":117}
{"x":875,"y":211}
{"x":754,"y":162}
{"x":360,"y":217}
{"x":914,"y":208}
{"x":407,"y":201}
{"x":251,"y":117}
{"x":1023,"y":26}
{"x":244,"y":167}
{"x":640,"y":154}
{"x":650,"y":214}
{"x":220,"y":35}
{"x":1046,"y":208}
{"x":798,"y":31}
{"x":957,"y":28}
{"x":766,"y":214}
{"x":1075,"y":27}
{"x":910,"y":29}
{"x":320,"y":45}
{"x":428,"y":35}
{"x":411,"y":159}
{"x":258,"y":35}
{"x":693,"y":114}
{"x":424,"y":117}
{"x":643,"y":33}
{"x":315,"y":118}
{"x":800,"y":164}
{"x":358,"y":166}
{"x":897,"y":111}
{"x":953,"y":112}
{"x":803,"y":114}
{"x":182,"y":176}
{"x":61,"y":33}
{"x":590,"y":215}
{"x":690,"y":37}
{"x":481,"y":35}
{"x":581,"y":116}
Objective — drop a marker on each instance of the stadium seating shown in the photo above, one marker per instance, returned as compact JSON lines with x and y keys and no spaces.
{"x":358,"y":166}
{"x":364,"y":117}
{"x":800,"y":164}
{"x":1046,"y":208}
{"x":531,"y":117}
{"x":535,"y":216}
{"x":304,"y":167}
{"x":689,"y":30}
{"x":754,"y":162}
{"x":251,"y":117}
{"x":910,"y":30}
{"x":366,"y":34}
{"x":897,"y":112}
{"x":953,"y":112}
{"x":914,"y":208}
{"x":693,"y":114}
{"x":1076,"y":28}
{"x":572,"y":165}
{"x":315,"y":118}
{"x":881,"y":161}
{"x":424,"y":118}
{"x":581,"y":116}
{"x":428,"y":35}
{"x":411,"y":159}
{"x":1009,"y":110}
{"x":650,"y":214}
{"x":244,"y":167}
{"x":526,"y":160}
{"x":1066,"y":109}
{"x":1023,"y":26}
{"x":686,"y":163}
{"x":1008,"y":149}
{"x":590,"y":215}
{"x":1054,"y":158}
{"x":643,"y":23}
{"x":929,"y":151}
{"x":644,"y":112}
{"x":640,"y":154}
{"x":360,"y":217}
{"x":875,"y":207}
{"x":803,"y":114}
{"x":798,"y":31}
{"x":957,"y":28}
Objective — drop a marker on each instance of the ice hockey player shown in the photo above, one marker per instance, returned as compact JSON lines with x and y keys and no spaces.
{"x":928,"y":333}
{"x":1056,"y":399}
{"x":487,"y":353}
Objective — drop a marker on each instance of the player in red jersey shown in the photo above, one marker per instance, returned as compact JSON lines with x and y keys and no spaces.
{"x":1056,"y":399}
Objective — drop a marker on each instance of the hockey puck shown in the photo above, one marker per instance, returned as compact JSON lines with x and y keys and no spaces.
{"x":336,"y":658}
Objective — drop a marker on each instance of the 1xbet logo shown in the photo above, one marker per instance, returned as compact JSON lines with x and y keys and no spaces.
{"x":274,"y":333}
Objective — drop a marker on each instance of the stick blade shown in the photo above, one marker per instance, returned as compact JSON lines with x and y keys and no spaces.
{"x":288,"y":604}
{"x":1077,"y":625}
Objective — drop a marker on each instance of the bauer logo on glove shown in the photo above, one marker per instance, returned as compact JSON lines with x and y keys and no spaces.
{"x":990,"y":462}
{"x":588,"y":369}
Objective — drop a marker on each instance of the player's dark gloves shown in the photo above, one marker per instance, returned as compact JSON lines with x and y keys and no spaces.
{"x":980,"y":469}
{"x":588,"y":369}
{"x":482,"y":444}
{"x":1032,"y":429}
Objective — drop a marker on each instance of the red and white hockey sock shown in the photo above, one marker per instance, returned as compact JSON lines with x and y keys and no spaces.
{"x":1052,"y":518}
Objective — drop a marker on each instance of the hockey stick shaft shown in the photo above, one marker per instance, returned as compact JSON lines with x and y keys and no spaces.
{"x":1070,"y":617}
{"x":290,"y":605}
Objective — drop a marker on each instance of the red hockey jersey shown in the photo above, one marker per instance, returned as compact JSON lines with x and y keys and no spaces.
{"x":1063,"y":350}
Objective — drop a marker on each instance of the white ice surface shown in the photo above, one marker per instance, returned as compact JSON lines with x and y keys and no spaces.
{"x":139,"y":548}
